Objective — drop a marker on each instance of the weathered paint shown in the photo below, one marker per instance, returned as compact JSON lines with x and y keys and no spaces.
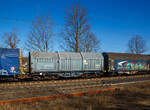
{"x":9,"y":61}
{"x":66,"y":62}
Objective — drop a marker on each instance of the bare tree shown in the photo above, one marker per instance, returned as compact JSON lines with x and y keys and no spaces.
{"x":11,"y":39}
{"x":137,"y":45}
{"x":76,"y":33}
{"x":40,"y":36}
{"x":90,"y":43}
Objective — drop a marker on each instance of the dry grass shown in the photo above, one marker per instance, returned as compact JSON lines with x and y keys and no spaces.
{"x":135,"y":97}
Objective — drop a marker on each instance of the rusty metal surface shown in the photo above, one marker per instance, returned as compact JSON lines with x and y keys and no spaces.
{"x":41,"y":98}
{"x":128,"y":56}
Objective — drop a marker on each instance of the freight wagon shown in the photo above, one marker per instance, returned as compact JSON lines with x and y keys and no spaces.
{"x":10,"y":63}
{"x":65,"y":64}
{"x":119,"y":63}
{"x":42,"y":65}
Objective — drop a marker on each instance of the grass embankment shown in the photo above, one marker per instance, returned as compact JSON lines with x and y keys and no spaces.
{"x":132,"y":97}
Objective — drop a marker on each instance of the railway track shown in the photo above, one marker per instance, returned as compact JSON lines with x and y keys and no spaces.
{"x":11,"y":91}
{"x":103,"y":80}
{"x":74,"y":85}
{"x":99,"y":83}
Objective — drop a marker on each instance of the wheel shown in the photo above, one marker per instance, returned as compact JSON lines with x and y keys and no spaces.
{"x":36,"y":78}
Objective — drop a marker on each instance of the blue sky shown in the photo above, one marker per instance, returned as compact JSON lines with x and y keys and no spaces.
{"x":113,"y":21}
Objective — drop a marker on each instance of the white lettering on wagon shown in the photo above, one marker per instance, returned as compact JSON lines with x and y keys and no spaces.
{"x":3,"y":72}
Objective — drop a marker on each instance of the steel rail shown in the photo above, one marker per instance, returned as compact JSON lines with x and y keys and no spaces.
{"x":27,"y":83}
{"x":69,"y":87}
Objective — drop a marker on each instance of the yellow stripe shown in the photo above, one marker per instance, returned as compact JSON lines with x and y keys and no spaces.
{"x":20,"y":60}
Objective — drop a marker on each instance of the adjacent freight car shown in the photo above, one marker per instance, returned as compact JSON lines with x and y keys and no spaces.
{"x":10,"y":62}
{"x":65,"y":64}
{"x":119,"y":63}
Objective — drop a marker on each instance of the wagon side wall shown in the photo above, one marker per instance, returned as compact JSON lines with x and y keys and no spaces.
{"x":66,"y":62}
{"x":9,"y":62}
{"x":127,"y":62}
